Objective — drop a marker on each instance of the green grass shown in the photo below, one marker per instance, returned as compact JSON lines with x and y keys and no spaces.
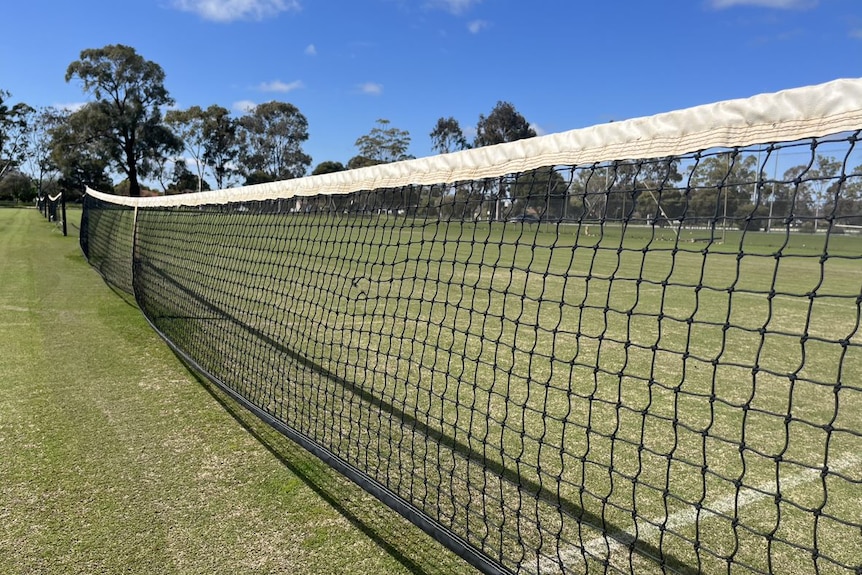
{"x":115,"y":459}
{"x":610,"y":372}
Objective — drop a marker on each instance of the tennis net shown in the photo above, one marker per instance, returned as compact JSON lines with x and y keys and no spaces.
{"x":54,"y":210}
{"x":627,"y":348}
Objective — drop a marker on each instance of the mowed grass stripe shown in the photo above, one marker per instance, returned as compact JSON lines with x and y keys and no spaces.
{"x":116,"y":459}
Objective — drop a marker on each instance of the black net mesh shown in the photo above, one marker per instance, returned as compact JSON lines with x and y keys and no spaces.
{"x":106,"y":240}
{"x":54,"y":210}
{"x":633,"y":366}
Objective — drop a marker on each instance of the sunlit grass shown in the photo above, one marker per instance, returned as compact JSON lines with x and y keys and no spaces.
{"x":536,"y":387}
{"x":115,"y":459}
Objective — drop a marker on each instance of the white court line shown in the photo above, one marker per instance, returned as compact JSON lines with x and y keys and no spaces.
{"x":656,"y":285}
{"x":803,"y":299}
{"x":618,"y":542}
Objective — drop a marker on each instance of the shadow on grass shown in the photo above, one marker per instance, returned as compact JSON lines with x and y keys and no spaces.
{"x":411,"y":547}
{"x":570,"y":506}
{"x":400,"y":539}
{"x":408,"y":545}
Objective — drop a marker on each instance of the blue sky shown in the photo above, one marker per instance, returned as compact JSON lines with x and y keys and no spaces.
{"x":564,"y":64}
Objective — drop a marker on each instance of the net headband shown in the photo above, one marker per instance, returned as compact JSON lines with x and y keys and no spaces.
{"x":788,"y":115}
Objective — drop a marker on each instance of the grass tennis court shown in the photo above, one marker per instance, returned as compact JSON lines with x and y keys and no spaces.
{"x":622,"y":365}
{"x":556,"y":390}
{"x":115,"y":459}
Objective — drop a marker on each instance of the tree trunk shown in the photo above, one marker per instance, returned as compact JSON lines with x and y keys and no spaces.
{"x":134,"y":186}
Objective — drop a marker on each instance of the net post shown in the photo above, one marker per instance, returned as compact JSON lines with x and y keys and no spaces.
{"x":63,"y":212}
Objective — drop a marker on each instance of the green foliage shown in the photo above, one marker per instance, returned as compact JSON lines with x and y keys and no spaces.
{"x":503,"y":124}
{"x":15,"y":124}
{"x":362,"y":162}
{"x":258,"y":177}
{"x":540,"y":192}
{"x":188,"y":126}
{"x":17,"y":187}
{"x":124,"y":120}
{"x":328,"y":167}
{"x":39,"y":163}
{"x":383,"y":144}
{"x":723,"y":183}
{"x":752,"y":218}
{"x":845,"y":201}
{"x":272,"y":135}
{"x":221,"y":144}
{"x":185,"y":181}
{"x":78,"y":154}
{"x":623,"y":190}
{"x":210,"y":138}
{"x":818,"y":183}
{"x":447,"y":136}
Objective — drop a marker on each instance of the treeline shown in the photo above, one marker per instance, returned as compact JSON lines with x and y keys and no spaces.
{"x":128,"y":127}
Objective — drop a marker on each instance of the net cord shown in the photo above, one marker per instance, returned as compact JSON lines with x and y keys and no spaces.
{"x":787,"y":115}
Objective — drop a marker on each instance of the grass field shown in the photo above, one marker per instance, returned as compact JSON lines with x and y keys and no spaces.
{"x":534,"y":387}
{"x":115,"y":459}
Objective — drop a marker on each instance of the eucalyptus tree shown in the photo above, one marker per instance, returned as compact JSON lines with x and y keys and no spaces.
{"x":15,"y":124}
{"x":447,"y":136}
{"x":328,"y":167}
{"x":17,"y":187}
{"x":272,"y":135}
{"x":822,"y":179}
{"x":221,"y":144}
{"x":209,"y":137}
{"x":844,"y":199}
{"x":79,"y":159}
{"x":188,"y":126}
{"x":184,"y":180}
{"x":125,"y":117}
{"x":503,"y":124}
{"x":39,"y":163}
{"x":542,"y":191}
{"x":384,"y":144}
{"x":721,"y":184}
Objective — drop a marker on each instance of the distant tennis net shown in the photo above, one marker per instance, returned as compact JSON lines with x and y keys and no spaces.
{"x":630,"y":348}
{"x":53,"y":207}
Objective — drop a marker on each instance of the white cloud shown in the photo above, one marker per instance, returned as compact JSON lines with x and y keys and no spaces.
{"x":230,"y":10}
{"x":540,"y":131}
{"x":279,"y":86}
{"x":780,"y":4}
{"x":454,"y":6}
{"x":371,"y":88}
{"x":857,"y":33}
{"x":477,"y":26}
{"x":244,"y":106}
{"x":311,"y":50}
